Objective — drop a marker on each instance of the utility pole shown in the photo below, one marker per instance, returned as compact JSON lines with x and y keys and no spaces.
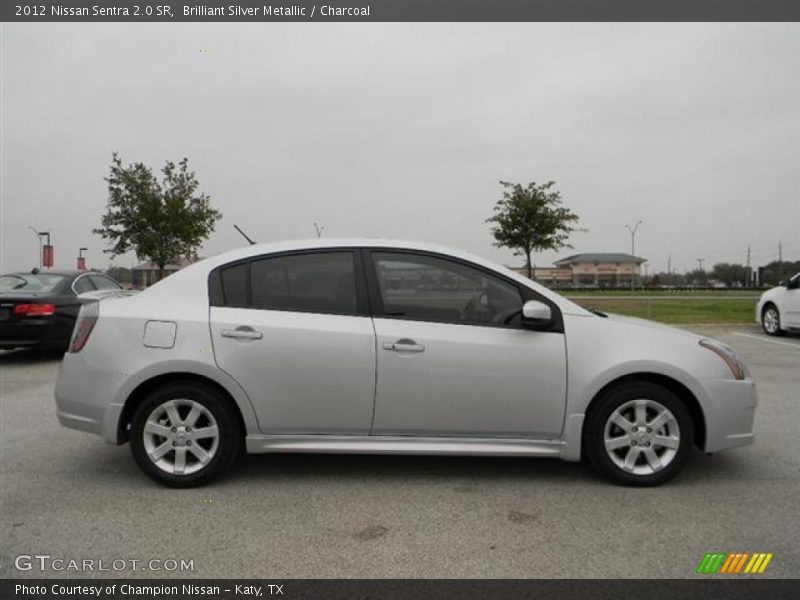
{"x":632,"y":229}
{"x":749,"y":272}
{"x":780,"y":261}
{"x":669,"y":265}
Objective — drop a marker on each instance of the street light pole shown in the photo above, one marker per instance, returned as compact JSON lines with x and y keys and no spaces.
{"x":632,"y":229}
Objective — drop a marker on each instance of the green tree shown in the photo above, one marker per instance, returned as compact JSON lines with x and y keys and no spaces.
{"x":731,"y":274}
{"x":697,"y":277}
{"x":531,"y":219}
{"x":775,"y":271}
{"x":161,"y":222}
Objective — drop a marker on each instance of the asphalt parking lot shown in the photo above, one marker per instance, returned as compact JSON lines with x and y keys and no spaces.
{"x":70,"y":495}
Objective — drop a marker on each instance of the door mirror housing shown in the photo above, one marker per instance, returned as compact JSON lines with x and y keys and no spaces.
{"x":536,"y":312}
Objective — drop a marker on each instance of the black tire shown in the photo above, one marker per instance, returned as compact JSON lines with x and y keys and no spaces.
{"x":229,"y":441}
{"x":777,"y":331}
{"x":594,"y":434}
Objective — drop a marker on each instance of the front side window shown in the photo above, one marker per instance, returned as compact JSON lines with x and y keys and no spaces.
{"x":428,"y":288}
{"x":316,"y":282}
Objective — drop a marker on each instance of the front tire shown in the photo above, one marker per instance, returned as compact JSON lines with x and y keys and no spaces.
{"x":184,"y":434}
{"x":639,"y":434}
{"x":771,"y":320}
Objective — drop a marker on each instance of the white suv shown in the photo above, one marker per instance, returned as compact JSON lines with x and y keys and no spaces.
{"x":377,"y":346}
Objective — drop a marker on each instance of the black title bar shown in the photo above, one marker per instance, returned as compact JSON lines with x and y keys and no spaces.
{"x":398,"y":10}
{"x":707,"y":588}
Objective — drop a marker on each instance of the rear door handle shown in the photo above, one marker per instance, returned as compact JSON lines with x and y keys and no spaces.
{"x":404,"y":345}
{"x":243,"y":332}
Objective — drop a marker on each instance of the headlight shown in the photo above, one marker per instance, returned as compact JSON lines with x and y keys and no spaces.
{"x":726,"y":354}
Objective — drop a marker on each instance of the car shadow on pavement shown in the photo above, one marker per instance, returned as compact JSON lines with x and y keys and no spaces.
{"x":357,"y":467}
{"x":32,"y":356}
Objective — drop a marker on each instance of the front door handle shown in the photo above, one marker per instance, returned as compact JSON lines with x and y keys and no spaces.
{"x":243,"y":332}
{"x":404,"y":345}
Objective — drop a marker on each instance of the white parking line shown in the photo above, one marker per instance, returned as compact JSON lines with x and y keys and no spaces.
{"x":765,"y":339}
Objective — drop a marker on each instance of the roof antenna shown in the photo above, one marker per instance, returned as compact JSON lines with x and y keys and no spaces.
{"x":244,"y":235}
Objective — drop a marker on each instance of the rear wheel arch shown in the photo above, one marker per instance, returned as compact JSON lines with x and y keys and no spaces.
{"x":679,"y":389}
{"x":138,"y":395}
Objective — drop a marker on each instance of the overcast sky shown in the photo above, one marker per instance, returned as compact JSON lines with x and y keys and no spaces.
{"x":403,"y":130}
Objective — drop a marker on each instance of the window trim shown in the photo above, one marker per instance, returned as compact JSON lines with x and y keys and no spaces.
{"x":526,"y":293}
{"x":77,"y":279}
{"x":362,"y":301}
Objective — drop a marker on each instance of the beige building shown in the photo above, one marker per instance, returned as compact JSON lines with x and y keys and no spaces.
{"x":603,"y":269}
{"x":146,"y":274}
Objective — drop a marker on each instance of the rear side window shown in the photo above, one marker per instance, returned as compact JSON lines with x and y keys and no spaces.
{"x":317,"y":282}
{"x":104,"y":283}
{"x":83,"y":285}
{"x":234,"y":285}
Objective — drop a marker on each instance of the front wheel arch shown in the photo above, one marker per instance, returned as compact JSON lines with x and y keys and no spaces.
{"x":675,"y":386}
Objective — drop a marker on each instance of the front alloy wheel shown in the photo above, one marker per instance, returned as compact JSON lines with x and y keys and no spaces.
{"x":771,"y":320}
{"x":184,"y":434}
{"x":639,"y":433}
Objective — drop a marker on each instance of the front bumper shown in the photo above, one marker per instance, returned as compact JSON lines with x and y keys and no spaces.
{"x":729,"y":413}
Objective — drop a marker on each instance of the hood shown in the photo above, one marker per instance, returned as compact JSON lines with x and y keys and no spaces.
{"x":646,"y":324}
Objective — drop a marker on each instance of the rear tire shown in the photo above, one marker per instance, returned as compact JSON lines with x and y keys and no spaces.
{"x":771,"y":320}
{"x":639,"y":434}
{"x":184,"y":434}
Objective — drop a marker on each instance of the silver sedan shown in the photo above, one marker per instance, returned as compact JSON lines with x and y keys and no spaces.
{"x":378,"y":346}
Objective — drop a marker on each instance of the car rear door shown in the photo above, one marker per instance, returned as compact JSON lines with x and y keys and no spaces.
{"x":453,"y":356}
{"x":294,"y":330}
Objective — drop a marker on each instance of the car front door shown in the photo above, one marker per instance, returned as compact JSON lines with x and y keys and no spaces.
{"x":453,"y":355}
{"x":295,"y":332}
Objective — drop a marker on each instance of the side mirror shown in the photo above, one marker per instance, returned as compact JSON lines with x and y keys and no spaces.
{"x":537,"y":312}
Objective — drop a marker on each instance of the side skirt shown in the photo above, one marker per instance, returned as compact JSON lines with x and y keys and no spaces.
{"x":340,"y":444}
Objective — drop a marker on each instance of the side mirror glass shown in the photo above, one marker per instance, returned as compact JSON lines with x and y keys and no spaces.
{"x":537,"y":312}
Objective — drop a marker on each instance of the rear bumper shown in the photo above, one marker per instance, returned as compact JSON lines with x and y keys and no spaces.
{"x":730,"y":414}
{"x":83,"y":396}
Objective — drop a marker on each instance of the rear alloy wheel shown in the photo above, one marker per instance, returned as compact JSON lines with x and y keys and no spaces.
{"x":184,"y":434}
{"x":771,"y":320}
{"x":639,"y":434}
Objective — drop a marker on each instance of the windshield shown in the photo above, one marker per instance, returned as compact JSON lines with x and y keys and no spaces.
{"x":42,"y":282}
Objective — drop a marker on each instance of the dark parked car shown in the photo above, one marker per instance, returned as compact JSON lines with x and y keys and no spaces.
{"x":38,"y":308}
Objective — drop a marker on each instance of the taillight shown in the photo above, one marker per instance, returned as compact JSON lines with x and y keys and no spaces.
{"x":34,"y":310}
{"x":84,"y":326}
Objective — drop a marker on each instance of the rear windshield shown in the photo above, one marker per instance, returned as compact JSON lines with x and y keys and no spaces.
{"x":43,"y":282}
